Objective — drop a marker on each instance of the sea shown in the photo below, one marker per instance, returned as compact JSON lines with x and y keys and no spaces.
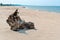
{"x":45,"y":8}
{"x":42,"y":8}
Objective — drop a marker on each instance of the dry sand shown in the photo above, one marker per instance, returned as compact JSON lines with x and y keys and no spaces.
{"x":46,"y":23}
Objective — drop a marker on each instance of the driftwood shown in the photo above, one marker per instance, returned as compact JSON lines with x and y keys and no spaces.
{"x":16,"y":23}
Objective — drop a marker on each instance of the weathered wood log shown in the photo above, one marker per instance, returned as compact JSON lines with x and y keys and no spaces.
{"x":16,"y":23}
{"x":30,"y":25}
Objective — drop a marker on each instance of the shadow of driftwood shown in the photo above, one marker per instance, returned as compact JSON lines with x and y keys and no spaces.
{"x":24,"y":31}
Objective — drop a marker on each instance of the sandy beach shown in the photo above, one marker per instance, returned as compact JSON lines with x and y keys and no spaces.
{"x":46,"y":23}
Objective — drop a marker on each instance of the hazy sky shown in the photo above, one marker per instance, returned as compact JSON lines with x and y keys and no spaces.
{"x":33,"y":2}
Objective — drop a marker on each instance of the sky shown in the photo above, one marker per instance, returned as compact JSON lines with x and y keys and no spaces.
{"x":33,"y":2}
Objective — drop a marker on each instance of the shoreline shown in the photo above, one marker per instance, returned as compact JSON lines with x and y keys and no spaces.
{"x":17,"y":7}
{"x":49,"y":9}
